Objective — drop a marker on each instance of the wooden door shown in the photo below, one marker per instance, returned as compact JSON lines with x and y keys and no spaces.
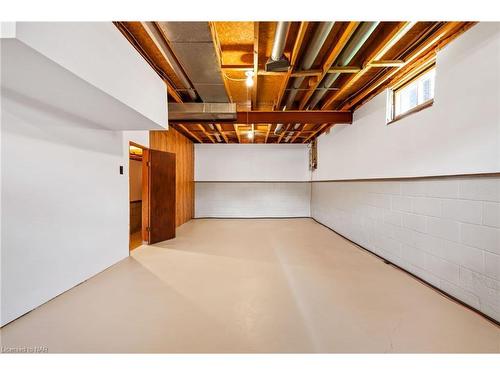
{"x":161,"y":202}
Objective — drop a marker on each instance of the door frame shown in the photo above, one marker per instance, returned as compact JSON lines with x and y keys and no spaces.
{"x":145,"y":192}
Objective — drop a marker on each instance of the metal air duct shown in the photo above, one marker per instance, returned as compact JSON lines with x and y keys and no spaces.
{"x":362,"y":34}
{"x":192,"y":44}
{"x":213,"y":112}
{"x":310,"y":55}
{"x":278,"y":62}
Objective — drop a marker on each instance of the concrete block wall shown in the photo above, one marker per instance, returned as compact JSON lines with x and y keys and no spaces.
{"x":444,"y":230}
{"x":252,"y":199}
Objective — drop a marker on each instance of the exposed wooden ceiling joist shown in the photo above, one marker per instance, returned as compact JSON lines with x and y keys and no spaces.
{"x":394,"y":50}
{"x":330,"y":60}
{"x":418,"y":58}
{"x":389,"y":41}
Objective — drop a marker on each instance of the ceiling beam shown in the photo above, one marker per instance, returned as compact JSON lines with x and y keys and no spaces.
{"x":418,"y":58}
{"x":237,"y":132}
{"x":267,"y":132}
{"x":344,"y":69}
{"x":202,"y":128}
{"x":330,"y":60}
{"x":243,"y":67}
{"x":283,"y":133}
{"x":298,"y":133}
{"x":386,"y":63}
{"x":218,"y":53}
{"x":390,"y":40}
{"x":278,"y":117}
{"x":188,"y":133}
{"x":316,"y":133}
{"x":283,"y":117}
{"x":221,"y":132}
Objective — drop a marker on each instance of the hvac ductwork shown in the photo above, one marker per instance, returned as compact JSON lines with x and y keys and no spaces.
{"x":278,"y":129}
{"x":278,"y":62}
{"x":310,"y":55}
{"x":360,"y":37}
{"x":192,"y":44}
{"x":164,"y":48}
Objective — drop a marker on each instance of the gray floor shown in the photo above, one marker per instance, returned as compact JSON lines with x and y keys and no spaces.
{"x":253,"y":286}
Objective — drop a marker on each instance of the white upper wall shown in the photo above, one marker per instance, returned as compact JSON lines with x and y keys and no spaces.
{"x":98,"y":53}
{"x":251,"y":162}
{"x":459,"y":134}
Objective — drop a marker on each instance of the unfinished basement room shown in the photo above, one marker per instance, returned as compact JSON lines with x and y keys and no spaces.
{"x":250,"y":186}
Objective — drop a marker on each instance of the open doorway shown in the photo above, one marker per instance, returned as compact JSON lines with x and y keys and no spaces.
{"x":137,"y":191}
{"x":152,"y":186}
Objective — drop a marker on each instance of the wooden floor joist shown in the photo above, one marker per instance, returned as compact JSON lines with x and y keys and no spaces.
{"x":388,"y":42}
{"x":330,"y":60}
{"x":395,"y":49}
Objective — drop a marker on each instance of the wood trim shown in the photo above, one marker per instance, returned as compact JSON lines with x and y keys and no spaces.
{"x":135,"y":157}
{"x":131,"y":143}
{"x":145,"y":196}
{"x":414,"y":74}
{"x":416,"y":109}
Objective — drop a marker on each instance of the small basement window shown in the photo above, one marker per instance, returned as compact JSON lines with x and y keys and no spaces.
{"x":412,"y":96}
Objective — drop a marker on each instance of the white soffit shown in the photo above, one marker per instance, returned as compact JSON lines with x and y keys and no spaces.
{"x":91,"y":74}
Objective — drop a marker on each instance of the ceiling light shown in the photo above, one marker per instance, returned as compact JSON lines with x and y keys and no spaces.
{"x":250,"y":134}
{"x":249,"y":80}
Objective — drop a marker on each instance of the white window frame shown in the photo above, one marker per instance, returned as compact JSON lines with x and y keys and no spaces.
{"x":392,"y":95}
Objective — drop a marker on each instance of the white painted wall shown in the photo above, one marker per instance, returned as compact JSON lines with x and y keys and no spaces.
{"x":252,"y":199}
{"x":64,"y":205}
{"x":459,"y":134}
{"x":269,"y":178}
{"x":98,"y":53}
{"x":445,"y":230}
{"x":251,"y":162}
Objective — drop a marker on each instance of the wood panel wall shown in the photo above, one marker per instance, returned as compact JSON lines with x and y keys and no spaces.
{"x":173,"y":141}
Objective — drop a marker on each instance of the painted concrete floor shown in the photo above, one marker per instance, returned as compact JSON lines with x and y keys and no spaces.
{"x":253,"y":286}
